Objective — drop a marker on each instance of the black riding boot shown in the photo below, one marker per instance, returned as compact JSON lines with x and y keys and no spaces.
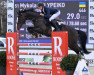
{"x":55,"y":26}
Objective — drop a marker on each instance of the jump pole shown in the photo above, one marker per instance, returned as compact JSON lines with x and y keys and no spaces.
{"x":59,"y":50}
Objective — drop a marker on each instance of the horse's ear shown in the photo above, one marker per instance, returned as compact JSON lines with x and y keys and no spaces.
{"x":19,"y":12}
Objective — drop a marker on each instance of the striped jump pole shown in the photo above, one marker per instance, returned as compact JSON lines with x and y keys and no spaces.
{"x":34,"y":70}
{"x":34,"y":44}
{"x":59,"y":49}
{"x":34,"y":63}
{"x":29,"y":53}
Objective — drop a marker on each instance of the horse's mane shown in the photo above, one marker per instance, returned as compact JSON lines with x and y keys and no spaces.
{"x":36,"y":10}
{"x":26,"y":10}
{"x":31,"y":11}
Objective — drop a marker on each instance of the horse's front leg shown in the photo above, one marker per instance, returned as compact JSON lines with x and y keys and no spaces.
{"x":35,"y":31}
{"x":38,"y":30}
{"x":30,"y":29}
{"x":46,"y":32}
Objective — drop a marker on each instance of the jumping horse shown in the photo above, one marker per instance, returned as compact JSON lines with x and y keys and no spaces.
{"x":41,"y":28}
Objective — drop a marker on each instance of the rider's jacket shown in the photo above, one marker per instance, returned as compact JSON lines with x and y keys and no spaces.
{"x":48,"y":11}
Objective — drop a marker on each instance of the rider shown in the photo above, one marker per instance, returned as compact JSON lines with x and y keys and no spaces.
{"x":49,"y":13}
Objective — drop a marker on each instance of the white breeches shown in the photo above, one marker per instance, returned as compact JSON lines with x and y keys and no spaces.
{"x":54,"y":16}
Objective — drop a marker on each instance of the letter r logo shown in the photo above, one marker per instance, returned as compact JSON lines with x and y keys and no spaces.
{"x":10,"y":45}
{"x":57,"y":47}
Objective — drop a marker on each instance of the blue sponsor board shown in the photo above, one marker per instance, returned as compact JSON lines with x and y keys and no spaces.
{"x":73,"y":16}
{"x":35,"y":41}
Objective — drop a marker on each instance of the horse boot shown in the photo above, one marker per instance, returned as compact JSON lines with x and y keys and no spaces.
{"x":55,"y":26}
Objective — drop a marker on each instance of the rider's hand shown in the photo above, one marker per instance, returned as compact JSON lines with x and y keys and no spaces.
{"x":41,"y":14}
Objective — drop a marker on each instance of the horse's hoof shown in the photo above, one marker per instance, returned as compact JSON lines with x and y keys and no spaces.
{"x":87,"y":52}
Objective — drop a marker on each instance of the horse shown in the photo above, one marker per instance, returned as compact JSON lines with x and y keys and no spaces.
{"x":40,"y":27}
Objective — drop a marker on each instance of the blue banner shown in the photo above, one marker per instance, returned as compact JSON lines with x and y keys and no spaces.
{"x":35,"y":41}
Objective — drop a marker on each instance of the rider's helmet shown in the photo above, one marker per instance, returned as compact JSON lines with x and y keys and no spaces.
{"x":40,"y":4}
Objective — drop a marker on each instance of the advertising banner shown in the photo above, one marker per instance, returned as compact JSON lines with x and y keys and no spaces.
{"x":59,"y":50}
{"x":75,"y":16}
{"x":80,"y":16}
{"x":10,"y":15}
{"x":11,"y":56}
{"x":91,"y":21}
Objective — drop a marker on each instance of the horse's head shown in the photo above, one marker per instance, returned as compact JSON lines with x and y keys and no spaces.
{"x":38,"y":21}
{"x":30,"y":14}
{"x":20,"y":19}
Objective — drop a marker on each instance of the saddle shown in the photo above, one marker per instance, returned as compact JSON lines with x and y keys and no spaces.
{"x":59,"y":23}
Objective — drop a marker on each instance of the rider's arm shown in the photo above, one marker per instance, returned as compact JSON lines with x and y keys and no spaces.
{"x":47,"y":14}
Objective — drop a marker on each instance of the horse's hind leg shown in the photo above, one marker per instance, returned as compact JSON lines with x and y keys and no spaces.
{"x":75,"y":47}
{"x":82,"y":40}
{"x":72,"y":41}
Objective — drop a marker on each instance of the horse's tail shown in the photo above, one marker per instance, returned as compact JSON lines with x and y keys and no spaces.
{"x":83,"y":40}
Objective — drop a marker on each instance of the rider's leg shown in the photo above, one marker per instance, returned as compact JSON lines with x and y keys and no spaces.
{"x":55,"y":25}
{"x":51,"y":19}
{"x":54,"y":16}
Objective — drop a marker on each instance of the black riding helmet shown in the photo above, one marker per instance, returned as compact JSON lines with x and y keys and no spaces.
{"x":40,"y":4}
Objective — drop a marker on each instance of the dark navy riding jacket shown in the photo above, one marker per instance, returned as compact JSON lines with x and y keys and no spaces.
{"x":48,"y":11}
